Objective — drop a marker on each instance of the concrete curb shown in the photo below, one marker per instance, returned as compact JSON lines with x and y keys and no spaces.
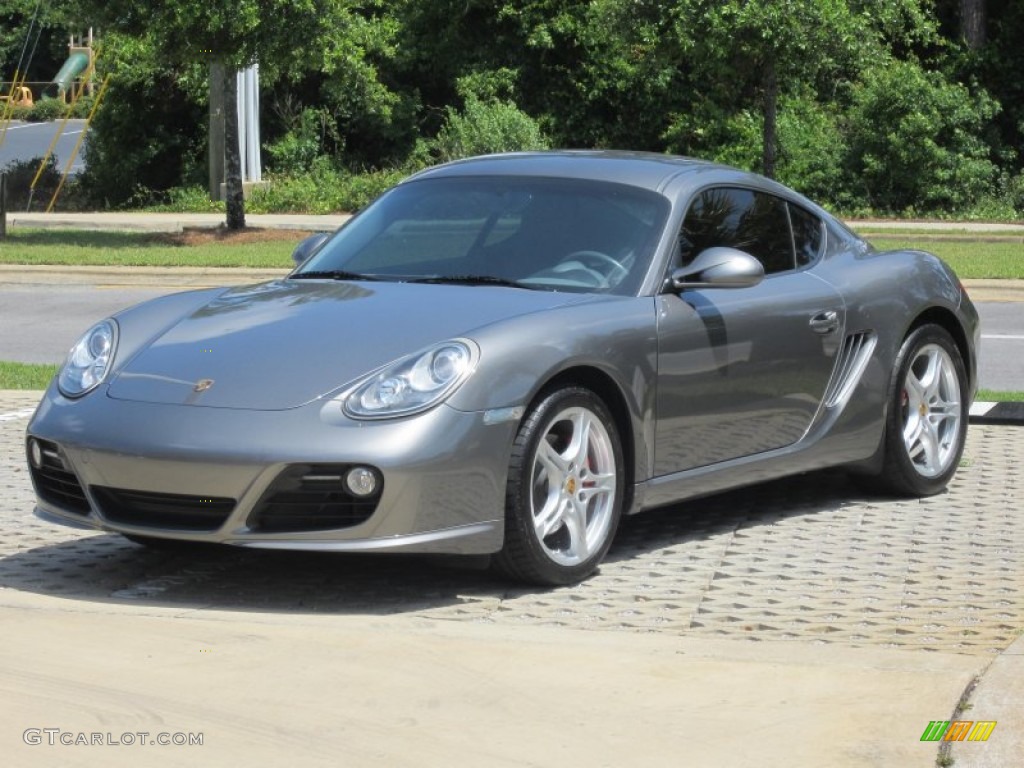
{"x":57,"y":274}
{"x":999,"y":696}
{"x":997,"y":413}
{"x":170,"y":222}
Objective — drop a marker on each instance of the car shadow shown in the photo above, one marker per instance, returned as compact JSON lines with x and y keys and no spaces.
{"x":765,"y":503}
{"x":106,"y":568}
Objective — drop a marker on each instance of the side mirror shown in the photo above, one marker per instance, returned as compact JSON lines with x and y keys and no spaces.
{"x":306,"y":247}
{"x":719,"y":268}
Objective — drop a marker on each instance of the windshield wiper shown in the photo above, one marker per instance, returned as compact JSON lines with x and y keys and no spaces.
{"x":332,"y":274}
{"x":471,"y":280}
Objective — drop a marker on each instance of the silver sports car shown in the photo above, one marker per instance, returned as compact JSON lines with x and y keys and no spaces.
{"x":505,"y":355}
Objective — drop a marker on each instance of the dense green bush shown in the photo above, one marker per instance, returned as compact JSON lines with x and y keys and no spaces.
{"x":21,"y":196}
{"x":192,"y":199}
{"x":138,"y":144}
{"x":916,"y":141}
{"x":323,"y":189}
{"x":812,"y":152}
{"x":20,"y":174}
{"x":48,"y":109}
{"x":483,"y":127}
{"x":149,"y":134}
{"x":303,"y":143}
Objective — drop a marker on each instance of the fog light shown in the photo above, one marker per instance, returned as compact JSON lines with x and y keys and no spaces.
{"x":361,"y":481}
{"x":35,"y":453}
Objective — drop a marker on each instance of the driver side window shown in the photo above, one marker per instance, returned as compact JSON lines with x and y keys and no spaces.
{"x":739,"y":218}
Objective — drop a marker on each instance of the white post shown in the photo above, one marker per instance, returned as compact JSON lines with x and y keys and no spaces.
{"x":254,"y":123}
{"x":249,"y":123}
{"x":241,"y":105}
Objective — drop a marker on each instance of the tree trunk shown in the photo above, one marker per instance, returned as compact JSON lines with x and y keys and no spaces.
{"x":233,"y":197}
{"x":972,"y":23}
{"x":770,"y":107}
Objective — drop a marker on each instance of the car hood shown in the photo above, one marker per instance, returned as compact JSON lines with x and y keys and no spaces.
{"x":281,"y":344}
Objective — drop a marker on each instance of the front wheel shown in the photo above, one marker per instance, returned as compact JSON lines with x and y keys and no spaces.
{"x":926,"y":422}
{"x":565,"y":489}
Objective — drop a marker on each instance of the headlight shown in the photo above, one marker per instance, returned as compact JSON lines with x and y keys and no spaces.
{"x":89,"y":360}
{"x":413,"y":384}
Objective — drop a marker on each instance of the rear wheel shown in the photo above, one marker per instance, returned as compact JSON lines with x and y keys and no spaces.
{"x":565,"y":489}
{"x":926,"y":423}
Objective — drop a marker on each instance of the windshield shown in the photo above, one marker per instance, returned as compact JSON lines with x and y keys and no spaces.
{"x":539,"y":233}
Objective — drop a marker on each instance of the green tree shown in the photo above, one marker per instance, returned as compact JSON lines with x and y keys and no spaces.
{"x":916,"y":140}
{"x":279,"y":34}
{"x":747,"y":54}
{"x":148,"y":134}
{"x":750,"y":51}
{"x":34,"y":30}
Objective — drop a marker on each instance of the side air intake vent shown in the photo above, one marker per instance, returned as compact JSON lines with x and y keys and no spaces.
{"x":852,"y":360}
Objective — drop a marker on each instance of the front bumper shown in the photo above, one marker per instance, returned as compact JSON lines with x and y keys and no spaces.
{"x":443,"y":473}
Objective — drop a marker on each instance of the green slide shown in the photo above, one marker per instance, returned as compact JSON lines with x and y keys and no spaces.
{"x":76,"y":64}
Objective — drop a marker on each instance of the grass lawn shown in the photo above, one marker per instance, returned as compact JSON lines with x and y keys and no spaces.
{"x":991,"y":396}
{"x":969,"y":259}
{"x":193,"y":248}
{"x":25,"y":376}
{"x":871,"y":232}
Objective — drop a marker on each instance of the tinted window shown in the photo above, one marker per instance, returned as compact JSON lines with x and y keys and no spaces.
{"x":806,"y":235}
{"x":840,"y":239}
{"x":556,"y":234}
{"x":739,"y":218}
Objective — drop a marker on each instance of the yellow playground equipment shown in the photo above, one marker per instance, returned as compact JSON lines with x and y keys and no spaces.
{"x":20,"y":96}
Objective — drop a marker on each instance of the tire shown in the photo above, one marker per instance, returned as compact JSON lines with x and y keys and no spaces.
{"x":926,"y":421}
{"x":563,"y":500}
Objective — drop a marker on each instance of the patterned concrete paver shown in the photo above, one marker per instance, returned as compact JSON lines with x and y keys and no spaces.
{"x":811,"y":558}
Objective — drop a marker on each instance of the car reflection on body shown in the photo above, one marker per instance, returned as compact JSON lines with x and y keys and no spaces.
{"x":503,"y":356}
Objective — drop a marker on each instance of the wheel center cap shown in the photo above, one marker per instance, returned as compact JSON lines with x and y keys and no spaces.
{"x":923,"y":409}
{"x":570,"y":486}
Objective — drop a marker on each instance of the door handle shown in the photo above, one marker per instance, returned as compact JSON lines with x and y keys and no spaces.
{"x":825,"y":322}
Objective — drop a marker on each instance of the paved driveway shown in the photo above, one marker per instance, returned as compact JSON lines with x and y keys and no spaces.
{"x":810,"y":558}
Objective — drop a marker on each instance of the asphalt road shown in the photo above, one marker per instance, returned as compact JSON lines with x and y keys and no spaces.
{"x":25,"y":141}
{"x":1001,"y":359}
{"x":40,"y":323}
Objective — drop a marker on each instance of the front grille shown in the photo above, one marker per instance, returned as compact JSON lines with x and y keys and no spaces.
{"x":162,"y":510}
{"x":311,"y":497}
{"x":55,"y":482}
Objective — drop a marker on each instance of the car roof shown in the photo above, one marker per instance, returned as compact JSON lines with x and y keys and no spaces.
{"x":649,"y":170}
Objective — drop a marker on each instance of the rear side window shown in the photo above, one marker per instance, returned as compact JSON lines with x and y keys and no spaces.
{"x":781,"y":236}
{"x":807,"y":235}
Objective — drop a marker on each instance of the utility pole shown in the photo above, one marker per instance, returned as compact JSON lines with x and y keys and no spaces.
{"x":216,"y":135}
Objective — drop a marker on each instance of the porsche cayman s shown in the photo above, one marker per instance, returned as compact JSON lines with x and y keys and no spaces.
{"x":503,"y":356}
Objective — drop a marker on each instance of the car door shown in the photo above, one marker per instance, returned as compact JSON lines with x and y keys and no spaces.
{"x":743,"y":370}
